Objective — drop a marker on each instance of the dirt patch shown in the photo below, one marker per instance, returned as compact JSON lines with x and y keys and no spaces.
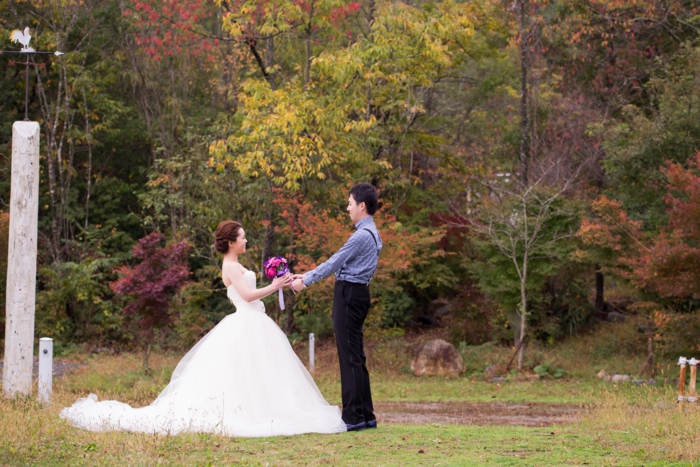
{"x":485,"y":413}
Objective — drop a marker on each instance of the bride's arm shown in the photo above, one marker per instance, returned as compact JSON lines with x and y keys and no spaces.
{"x":234,"y":273}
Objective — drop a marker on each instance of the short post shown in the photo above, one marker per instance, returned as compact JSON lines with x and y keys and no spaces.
{"x":21,"y":260}
{"x":682,"y":361}
{"x":45,"y":369}
{"x":692,"y":397}
{"x":312,"y":340}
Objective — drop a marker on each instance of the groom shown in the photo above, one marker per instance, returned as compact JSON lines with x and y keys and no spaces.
{"x":353,"y":265}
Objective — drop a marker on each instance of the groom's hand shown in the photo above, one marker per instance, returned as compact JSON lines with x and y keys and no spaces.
{"x":298,"y":283}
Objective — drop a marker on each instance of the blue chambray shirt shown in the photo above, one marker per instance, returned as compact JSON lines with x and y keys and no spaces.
{"x":356,"y":261}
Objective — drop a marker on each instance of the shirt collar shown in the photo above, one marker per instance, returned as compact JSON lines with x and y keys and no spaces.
{"x":363,"y":222}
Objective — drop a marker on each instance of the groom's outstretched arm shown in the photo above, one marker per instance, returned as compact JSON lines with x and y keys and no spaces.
{"x":351,"y":248}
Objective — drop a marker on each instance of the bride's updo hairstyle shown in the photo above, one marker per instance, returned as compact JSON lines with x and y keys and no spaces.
{"x":227,"y":231}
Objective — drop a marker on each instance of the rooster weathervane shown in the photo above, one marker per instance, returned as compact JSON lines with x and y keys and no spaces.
{"x":23,"y":37}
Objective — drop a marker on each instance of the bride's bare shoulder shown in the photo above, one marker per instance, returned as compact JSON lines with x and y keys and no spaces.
{"x":232,"y":267}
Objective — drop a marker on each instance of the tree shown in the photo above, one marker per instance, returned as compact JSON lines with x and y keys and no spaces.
{"x":151,"y":284}
{"x":521,"y":228}
{"x":663,"y":265}
{"x":671,"y":266}
{"x":358,"y":111}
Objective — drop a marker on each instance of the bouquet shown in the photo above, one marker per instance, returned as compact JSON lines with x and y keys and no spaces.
{"x":276,"y":267}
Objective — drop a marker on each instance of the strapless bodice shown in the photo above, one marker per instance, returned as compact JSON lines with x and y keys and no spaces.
{"x":239,"y":302}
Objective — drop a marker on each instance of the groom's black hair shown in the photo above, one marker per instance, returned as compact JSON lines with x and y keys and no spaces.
{"x":365,"y":193}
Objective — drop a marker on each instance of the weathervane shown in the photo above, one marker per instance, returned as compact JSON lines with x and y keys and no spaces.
{"x":24,"y":38}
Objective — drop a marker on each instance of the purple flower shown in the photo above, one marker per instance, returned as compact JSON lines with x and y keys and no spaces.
{"x":275,"y":266}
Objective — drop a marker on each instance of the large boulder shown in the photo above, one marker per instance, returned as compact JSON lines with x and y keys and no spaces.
{"x":437,"y":357}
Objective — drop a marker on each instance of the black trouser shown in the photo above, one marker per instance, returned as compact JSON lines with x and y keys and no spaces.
{"x":350,"y":306}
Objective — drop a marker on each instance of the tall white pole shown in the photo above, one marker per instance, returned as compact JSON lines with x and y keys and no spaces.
{"x":21,"y":260}
{"x":312,"y":341}
{"x":45,"y":369}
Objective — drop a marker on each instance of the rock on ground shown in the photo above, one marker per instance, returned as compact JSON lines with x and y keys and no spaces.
{"x":491,"y":372}
{"x":621,"y":378}
{"x":437,"y":357}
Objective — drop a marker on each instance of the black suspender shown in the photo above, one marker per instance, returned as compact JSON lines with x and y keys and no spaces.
{"x":373,"y":237}
{"x":375,"y":244}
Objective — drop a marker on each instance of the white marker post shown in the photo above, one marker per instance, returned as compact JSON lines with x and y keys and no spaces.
{"x":45,"y":369}
{"x":21,"y":260}
{"x":312,"y":340}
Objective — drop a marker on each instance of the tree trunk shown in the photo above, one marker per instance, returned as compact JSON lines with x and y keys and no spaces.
{"x":307,"y":57}
{"x":599,"y":292}
{"x":523,"y":317}
{"x":270,"y":58}
{"x":89,"y":167}
{"x":649,"y":363}
{"x":289,"y":318}
{"x":524,"y":146}
{"x":147,"y":355}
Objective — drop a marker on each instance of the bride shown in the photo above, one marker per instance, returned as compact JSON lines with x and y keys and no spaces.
{"x":241,"y":379}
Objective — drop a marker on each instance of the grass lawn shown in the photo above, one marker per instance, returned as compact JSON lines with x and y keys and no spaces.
{"x":624,"y":425}
{"x":392,"y":445}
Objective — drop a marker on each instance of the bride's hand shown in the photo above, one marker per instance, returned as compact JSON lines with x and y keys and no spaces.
{"x":279,"y":282}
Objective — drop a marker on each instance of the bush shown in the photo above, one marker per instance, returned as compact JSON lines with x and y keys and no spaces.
{"x":678,"y":333}
{"x":546,"y":369}
{"x":190,"y":314}
{"x":396,"y":307}
{"x":473,"y":317}
{"x":620,"y":339}
{"x":73,"y":303}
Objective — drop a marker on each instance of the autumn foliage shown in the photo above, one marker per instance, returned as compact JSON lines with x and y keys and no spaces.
{"x":151,"y":285}
{"x":667,"y":263}
{"x":318,"y":233}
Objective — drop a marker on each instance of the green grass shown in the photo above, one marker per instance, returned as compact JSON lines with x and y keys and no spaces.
{"x":436,"y":389}
{"x":622,"y":425}
{"x":387,"y":446}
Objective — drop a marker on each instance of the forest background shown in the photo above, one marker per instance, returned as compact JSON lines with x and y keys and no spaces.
{"x":536,"y":162}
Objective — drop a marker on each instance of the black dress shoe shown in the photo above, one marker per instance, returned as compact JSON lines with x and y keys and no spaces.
{"x":371,"y":424}
{"x":358,"y":427}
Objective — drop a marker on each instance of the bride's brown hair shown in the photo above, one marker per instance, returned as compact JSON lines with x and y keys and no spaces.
{"x":226,"y":231}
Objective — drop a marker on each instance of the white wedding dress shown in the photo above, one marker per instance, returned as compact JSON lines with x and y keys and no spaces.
{"x":241,"y":379}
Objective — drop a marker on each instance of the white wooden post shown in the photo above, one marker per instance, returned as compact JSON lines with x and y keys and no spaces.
{"x":312,"y":340}
{"x":45,"y":369}
{"x":21,"y":260}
